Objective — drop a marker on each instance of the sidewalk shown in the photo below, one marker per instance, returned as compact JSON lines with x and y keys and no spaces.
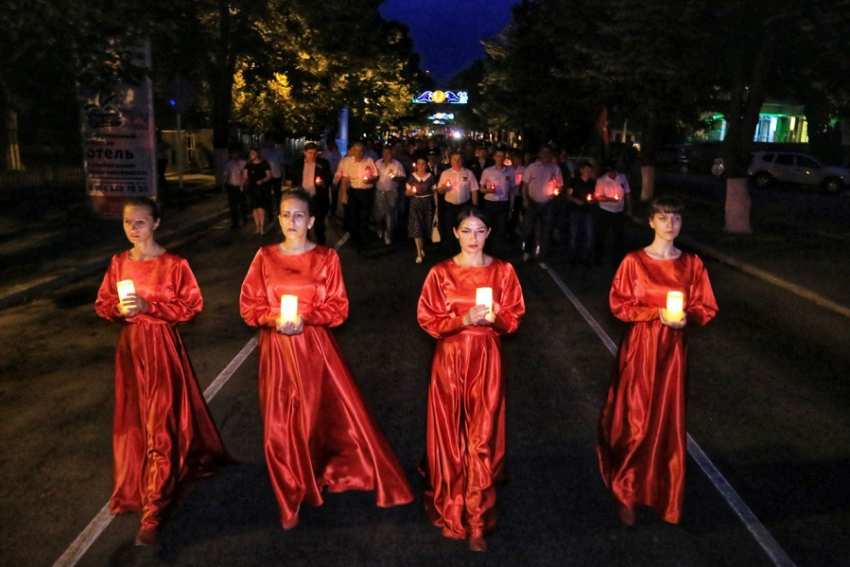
{"x":47,"y":241}
{"x":49,"y":237}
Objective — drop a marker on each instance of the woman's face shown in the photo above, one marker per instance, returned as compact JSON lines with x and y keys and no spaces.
{"x":421,"y":166}
{"x":471,"y":234}
{"x":295,"y":219}
{"x":666,"y":225}
{"x":139,"y":224}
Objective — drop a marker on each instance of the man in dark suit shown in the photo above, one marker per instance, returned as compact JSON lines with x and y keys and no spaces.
{"x":314,"y":175}
{"x":480,"y":162}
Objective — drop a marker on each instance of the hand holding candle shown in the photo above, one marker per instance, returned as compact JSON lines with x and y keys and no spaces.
{"x":484,"y":296}
{"x":126,"y":290}
{"x":289,"y":322}
{"x":675,"y":306}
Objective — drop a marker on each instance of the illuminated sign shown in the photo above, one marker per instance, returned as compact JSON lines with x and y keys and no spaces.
{"x":442,"y":116}
{"x":441,"y":97}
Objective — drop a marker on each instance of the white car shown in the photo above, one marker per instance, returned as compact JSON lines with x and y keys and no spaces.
{"x":792,"y":167}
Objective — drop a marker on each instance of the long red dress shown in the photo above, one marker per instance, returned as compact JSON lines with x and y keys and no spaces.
{"x":318,"y":432}
{"x":465,"y":430}
{"x":163,"y":434}
{"x":642,"y":435}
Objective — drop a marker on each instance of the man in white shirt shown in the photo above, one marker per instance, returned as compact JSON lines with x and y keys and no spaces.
{"x":231,"y":179}
{"x":357,"y":192}
{"x":541,"y":181}
{"x":497,"y":185}
{"x":614,"y":198}
{"x":459,"y":188}
{"x":390,"y":174}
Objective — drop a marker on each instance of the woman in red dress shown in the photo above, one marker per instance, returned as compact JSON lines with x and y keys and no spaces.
{"x":465,"y":435}
{"x":642,"y":437}
{"x":317,"y":431}
{"x":163,"y":435}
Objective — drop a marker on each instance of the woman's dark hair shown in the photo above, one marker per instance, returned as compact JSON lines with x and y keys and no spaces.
{"x":471,"y":212}
{"x":666,"y":204}
{"x":301,"y":195}
{"x":152,"y":205}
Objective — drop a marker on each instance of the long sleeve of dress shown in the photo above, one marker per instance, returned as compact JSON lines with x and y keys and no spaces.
{"x":625,"y":305}
{"x":106,"y":304}
{"x":512,"y":305}
{"x":702,"y":306}
{"x":185,"y":303}
{"x":254,"y":303}
{"x":433,"y":311}
{"x":330,"y":309}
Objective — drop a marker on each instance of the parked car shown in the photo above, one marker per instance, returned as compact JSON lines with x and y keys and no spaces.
{"x":801,"y":169}
{"x":697,"y":157}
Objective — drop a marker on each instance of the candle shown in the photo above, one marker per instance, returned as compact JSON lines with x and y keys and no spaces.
{"x":125,"y":289}
{"x":557,"y":191}
{"x":484,"y":296}
{"x":318,"y":180}
{"x":289,"y":308}
{"x":449,"y":183}
{"x":675,"y":305}
{"x":589,"y":197}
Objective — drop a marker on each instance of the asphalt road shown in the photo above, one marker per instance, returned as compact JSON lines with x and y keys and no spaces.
{"x":768,"y":404}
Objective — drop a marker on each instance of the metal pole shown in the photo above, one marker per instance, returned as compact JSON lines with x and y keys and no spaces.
{"x":180,"y":150}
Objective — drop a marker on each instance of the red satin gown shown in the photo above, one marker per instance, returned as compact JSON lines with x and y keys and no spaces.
{"x":465,"y":430}
{"x":642,"y":435}
{"x":317,"y":431}
{"x":163,"y":434}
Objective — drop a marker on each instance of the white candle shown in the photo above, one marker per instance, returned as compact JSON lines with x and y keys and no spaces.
{"x":125,"y":289}
{"x":289,"y":308}
{"x":484,"y":296}
{"x":675,"y":305}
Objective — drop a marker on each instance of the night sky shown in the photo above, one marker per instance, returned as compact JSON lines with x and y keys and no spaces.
{"x":447,"y":34}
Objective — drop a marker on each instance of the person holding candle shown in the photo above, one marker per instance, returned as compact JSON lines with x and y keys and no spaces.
{"x":318,"y":433}
{"x":390,"y":174}
{"x":497,"y":184}
{"x":459,"y":188}
{"x":420,"y":189}
{"x":163,"y":434}
{"x":539,"y":182}
{"x":582,"y":212}
{"x":614,"y":197}
{"x":315,"y":175}
{"x":465,"y":430}
{"x":357,"y":192}
{"x":641,"y":446}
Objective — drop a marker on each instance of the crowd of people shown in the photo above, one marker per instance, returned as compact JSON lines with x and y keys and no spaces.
{"x":318,"y":433}
{"x":540,"y":200}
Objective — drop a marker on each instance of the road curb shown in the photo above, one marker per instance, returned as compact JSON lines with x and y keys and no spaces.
{"x":30,"y":291}
{"x":766,"y":276}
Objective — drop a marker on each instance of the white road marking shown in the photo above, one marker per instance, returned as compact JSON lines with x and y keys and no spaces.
{"x":751,"y":522}
{"x":103,"y":518}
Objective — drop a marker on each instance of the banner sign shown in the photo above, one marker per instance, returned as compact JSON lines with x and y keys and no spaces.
{"x":118,"y":141}
{"x":442,"y":97}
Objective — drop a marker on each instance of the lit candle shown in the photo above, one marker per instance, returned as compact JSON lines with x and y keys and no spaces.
{"x":616,"y":196}
{"x":675,"y":305}
{"x":125,"y":289}
{"x":318,"y":180}
{"x":289,"y":308}
{"x":589,"y":197}
{"x":449,"y":183}
{"x":557,"y":191}
{"x":484,"y":296}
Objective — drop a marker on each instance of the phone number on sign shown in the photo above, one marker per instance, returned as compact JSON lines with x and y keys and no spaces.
{"x":118,"y":188}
